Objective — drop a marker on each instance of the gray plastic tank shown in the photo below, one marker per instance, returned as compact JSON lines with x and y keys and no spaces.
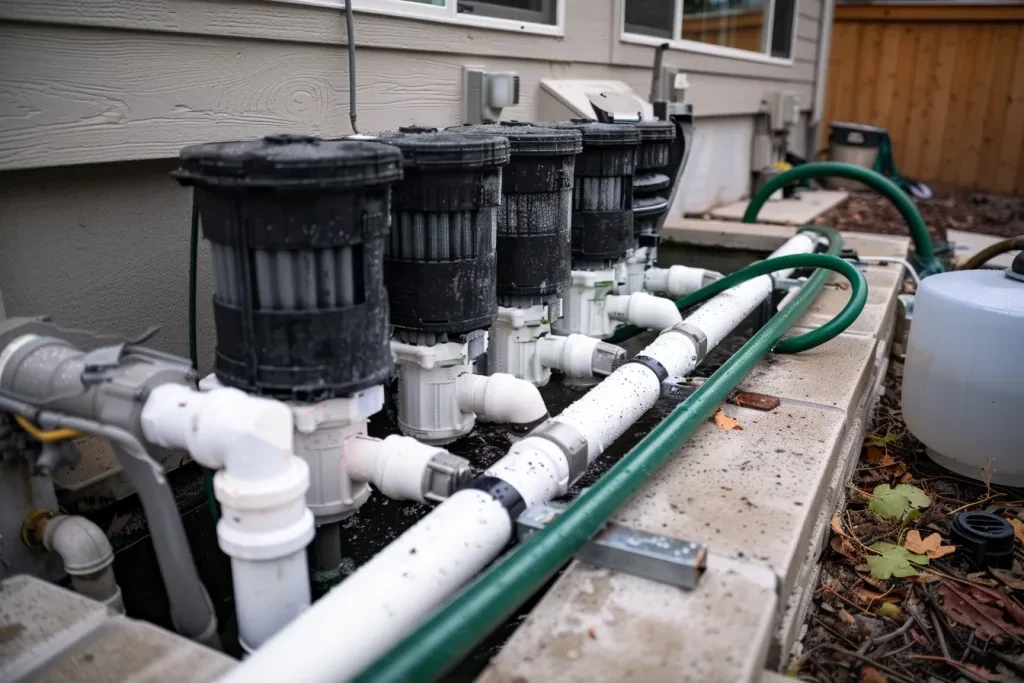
{"x":963,"y":383}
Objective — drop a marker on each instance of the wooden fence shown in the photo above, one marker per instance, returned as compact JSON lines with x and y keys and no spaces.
{"x":946,"y":81}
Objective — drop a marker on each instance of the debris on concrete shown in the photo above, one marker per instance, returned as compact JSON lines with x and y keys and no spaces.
{"x":752,"y":399}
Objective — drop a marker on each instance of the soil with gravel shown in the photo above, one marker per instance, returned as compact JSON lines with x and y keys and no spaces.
{"x":948,"y":209}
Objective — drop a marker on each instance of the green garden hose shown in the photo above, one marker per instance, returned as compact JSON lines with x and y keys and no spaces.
{"x":924,"y":250}
{"x":193,"y":348}
{"x":452,"y":632}
{"x":704,"y":293}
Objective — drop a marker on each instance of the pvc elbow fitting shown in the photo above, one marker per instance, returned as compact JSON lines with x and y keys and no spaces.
{"x":87,"y":556}
{"x":643,"y":310}
{"x":501,"y":398}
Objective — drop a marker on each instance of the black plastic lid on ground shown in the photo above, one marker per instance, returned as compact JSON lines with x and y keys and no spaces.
{"x":289,"y":160}
{"x":526,"y":139}
{"x":986,"y":537}
{"x":443,"y":150}
{"x":655,"y":131}
{"x":600,"y":134}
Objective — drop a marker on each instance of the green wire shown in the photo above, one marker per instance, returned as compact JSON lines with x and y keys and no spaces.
{"x":193,"y":349}
{"x":455,"y":629}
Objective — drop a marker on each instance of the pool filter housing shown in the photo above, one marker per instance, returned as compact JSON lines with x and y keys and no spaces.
{"x":652,"y":187}
{"x":297,"y":228}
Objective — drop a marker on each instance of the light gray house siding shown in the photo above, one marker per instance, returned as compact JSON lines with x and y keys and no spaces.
{"x":98,"y":96}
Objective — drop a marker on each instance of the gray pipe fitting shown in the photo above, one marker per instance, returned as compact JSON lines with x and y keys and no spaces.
{"x":87,"y":555}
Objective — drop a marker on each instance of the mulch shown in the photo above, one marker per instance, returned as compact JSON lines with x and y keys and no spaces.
{"x":953,"y":621}
{"x":949,"y":208}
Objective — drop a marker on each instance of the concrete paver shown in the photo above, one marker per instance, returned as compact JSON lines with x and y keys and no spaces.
{"x":800,"y":210}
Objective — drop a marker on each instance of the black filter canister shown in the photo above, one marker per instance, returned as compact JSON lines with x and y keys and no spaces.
{"x":535,"y":218}
{"x":439,"y":264}
{"x":602,"y":219}
{"x":651,"y":184}
{"x":297,"y":227}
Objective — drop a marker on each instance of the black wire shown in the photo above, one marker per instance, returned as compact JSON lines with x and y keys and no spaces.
{"x":351,"y":66}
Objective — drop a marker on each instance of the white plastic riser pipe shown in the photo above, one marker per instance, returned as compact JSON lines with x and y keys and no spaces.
{"x":261,"y":485}
{"x":501,"y":398}
{"x":677,"y":281}
{"x":396,"y":466}
{"x":643,"y":310}
{"x":386,"y":598}
{"x":463,"y":534}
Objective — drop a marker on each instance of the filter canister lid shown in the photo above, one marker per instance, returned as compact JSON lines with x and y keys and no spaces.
{"x":654,"y":131}
{"x":527,"y":139}
{"x":287,"y":160}
{"x":601,"y":134}
{"x":445,"y":150}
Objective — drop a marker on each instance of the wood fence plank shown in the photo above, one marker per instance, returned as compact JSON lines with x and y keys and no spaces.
{"x":938,"y":101}
{"x":902,"y":86}
{"x":994,"y":122}
{"x":918,"y":111}
{"x":885,"y":80}
{"x":972,"y":130}
{"x":869,"y":53}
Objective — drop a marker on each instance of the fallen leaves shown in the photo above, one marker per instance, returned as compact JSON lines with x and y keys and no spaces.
{"x":1018,"y":529}
{"x":930,"y":546}
{"x":900,"y":502}
{"x":869,"y":674}
{"x":724,"y":422}
{"x":987,"y":620}
{"x":893,"y":561}
{"x":881,"y":441}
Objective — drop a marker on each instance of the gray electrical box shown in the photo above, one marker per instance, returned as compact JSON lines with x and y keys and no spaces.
{"x":486,"y":93}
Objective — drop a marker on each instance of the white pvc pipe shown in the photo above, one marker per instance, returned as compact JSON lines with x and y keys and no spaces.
{"x":385,"y":599}
{"x":643,"y":310}
{"x":572,"y":355}
{"x":678,"y":281}
{"x":395,"y":466}
{"x":87,"y":556}
{"x":500,"y":398}
{"x":388,"y":596}
{"x":261,"y":485}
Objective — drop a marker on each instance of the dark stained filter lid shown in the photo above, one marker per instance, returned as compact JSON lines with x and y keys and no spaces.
{"x":444,"y":150}
{"x":289,"y":160}
{"x":600,"y":134}
{"x":526,"y":139}
{"x":655,"y":131}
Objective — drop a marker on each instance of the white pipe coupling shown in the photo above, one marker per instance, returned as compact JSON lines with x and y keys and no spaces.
{"x":580,"y":356}
{"x":402,"y":468}
{"x":678,"y":280}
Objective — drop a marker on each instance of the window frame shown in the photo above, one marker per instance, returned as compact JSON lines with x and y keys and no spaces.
{"x":678,"y":43}
{"x":448,"y":14}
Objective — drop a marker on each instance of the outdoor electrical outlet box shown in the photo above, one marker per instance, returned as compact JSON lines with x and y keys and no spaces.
{"x":486,"y":93}
{"x":783,"y":110}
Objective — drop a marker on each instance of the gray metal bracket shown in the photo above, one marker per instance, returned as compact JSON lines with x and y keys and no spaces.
{"x":664,"y":559}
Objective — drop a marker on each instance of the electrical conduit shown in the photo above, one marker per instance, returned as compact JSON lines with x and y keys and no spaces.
{"x":924,"y":251}
{"x":392,"y":592}
{"x":438,"y":644}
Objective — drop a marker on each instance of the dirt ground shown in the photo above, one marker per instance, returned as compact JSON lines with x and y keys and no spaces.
{"x":949,"y":208}
{"x":938,"y":617}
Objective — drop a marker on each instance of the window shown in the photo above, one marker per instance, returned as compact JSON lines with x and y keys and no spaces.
{"x":755,"y":29}
{"x":529,"y":16}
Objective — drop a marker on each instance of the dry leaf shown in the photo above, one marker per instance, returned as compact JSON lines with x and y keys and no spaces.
{"x":889,"y":610}
{"x":846,"y":618}
{"x":844,"y":547}
{"x":869,"y":596}
{"x":1008,"y":578}
{"x":837,"y":525}
{"x":724,"y":422}
{"x":1018,"y":529}
{"x":931,"y":546}
{"x":986,"y":620}
{"x":869,"y":674}
{"x":875,"y":454}
{"x":980,"y":578}
{"x":906,"y":478}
